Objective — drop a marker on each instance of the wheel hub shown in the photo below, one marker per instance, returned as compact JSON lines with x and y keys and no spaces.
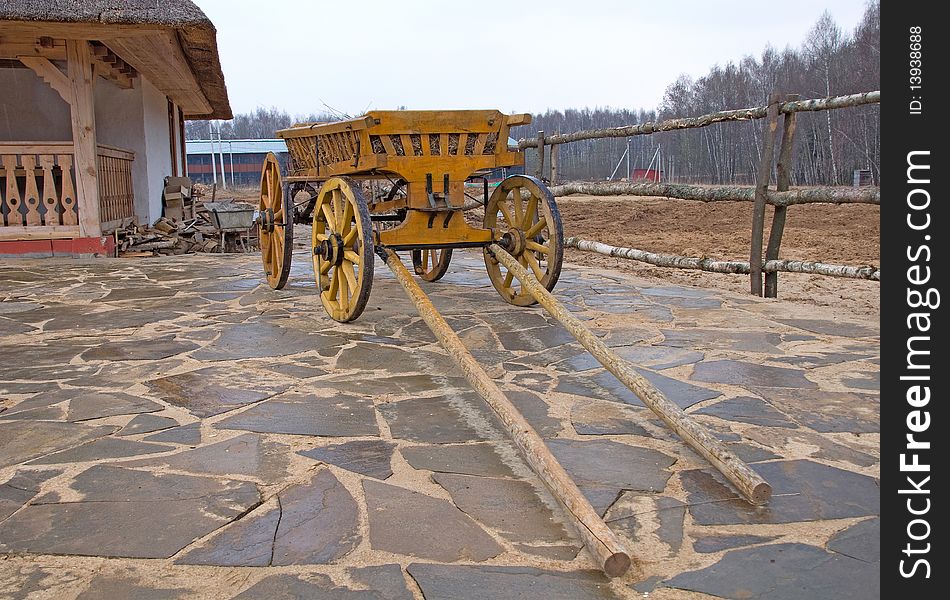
{"x":331,"y":249}
{"x":514,"y":242}
{"x":267,"y":220}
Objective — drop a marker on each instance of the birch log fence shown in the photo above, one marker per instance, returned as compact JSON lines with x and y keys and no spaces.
{"x":780,"y":198}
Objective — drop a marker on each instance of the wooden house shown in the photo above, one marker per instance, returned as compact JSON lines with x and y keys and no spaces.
{"x":95,"y":95}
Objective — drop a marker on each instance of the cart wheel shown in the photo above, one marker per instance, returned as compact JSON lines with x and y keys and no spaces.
{"x":531,"y":230}
{"x":431,"y":264}
{"x":276,"y":225}
{"x":342,"y":249}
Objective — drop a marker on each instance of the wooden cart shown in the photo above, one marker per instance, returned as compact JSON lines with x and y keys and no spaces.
{"x":420,"y":162}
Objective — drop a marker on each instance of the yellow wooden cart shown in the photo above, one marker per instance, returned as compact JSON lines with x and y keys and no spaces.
{"x":420,"y":162}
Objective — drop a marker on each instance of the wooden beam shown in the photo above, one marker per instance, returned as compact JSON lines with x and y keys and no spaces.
{"x":112,"y":67}
{"x":48,"y":72}
{"x":84,"y":31}
{"x":39,"y":233}
{"x":14,"y":47}
{"x":82,"y":80}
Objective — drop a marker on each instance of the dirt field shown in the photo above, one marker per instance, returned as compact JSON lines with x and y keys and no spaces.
{"x":847,"y":235}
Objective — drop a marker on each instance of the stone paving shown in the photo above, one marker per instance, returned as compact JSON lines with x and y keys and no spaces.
{"x":171,"y":428}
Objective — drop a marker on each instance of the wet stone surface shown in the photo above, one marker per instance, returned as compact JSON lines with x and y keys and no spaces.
{"x":302,"y":414}
{"x":525,"y":583}
{"x":179,"y":410}
{"x":783,"y":571}
{"x":121,"y":512}
{"x":371,"y":458}
{"x":414,"y":524}
{"x":802,"y":490}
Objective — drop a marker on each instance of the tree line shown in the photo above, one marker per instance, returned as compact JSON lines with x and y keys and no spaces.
{"x":830,"y":145}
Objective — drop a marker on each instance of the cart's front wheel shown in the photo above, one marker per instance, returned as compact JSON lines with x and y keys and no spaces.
{"x":342,"y":249}
{"x":431,"y":264}
{"x":524,"y":215}
{"x":276,"y":225}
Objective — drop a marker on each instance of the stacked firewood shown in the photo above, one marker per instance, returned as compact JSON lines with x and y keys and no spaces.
{"x":167,"y":237}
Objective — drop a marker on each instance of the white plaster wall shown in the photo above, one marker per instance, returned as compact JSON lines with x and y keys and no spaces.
{"x":120,"y":122}
{"x":157,"y":152}
{"x":30,"y":110}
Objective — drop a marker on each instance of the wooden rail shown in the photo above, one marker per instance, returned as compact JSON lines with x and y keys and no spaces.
{"x":742,"y":114}
{"x":702,"y":193}
{"x":724,"y":266}
{"x":38,"y":198}
{"x":116,"y":197}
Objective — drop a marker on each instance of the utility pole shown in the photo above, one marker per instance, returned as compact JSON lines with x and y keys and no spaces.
{"x":224,"y":179}
{"x":628,"y":159}
{"x":214,"y":168}
{"x":231,"y":159}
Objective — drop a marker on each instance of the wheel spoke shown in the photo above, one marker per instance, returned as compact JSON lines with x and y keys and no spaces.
{"x":347,"y":217}
{"x":536,"y":228}
{"x":530,"y":212}
{"x":508,"y":279}
{"x":322,"y":237}
{"x":338,"y":202}
{"x":516,"y":201}
{"x":344,"y":286}
{"x":350,"y":276}
{"x":534,"y":265}
{"x":532,"y":245}
{"x":325,"y":266}
{"x":503,"y":207}
{"x":328,"y":215}
{"x":353,"y":257}
{"x":350,"y":236}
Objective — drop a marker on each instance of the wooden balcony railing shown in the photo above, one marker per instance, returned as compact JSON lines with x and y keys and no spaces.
{"x":116,"y":201}
{"x":38,"y":197}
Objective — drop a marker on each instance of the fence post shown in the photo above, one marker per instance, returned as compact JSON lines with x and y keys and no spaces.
{"x":540,"y":170}
{"x":553,"y":181}
{"x":782,"y":183}
{"x":761,"y":187}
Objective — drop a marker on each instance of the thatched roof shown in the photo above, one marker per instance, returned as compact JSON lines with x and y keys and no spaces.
{"x":195,"y":31}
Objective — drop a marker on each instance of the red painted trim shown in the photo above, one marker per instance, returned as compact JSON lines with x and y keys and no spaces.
{"x":75,"y":248}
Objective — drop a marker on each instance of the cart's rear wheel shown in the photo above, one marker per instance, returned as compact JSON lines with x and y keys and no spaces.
{"x":431,"y":264}
{"x":276,"y":225}
{"x":342,"y":249}
{"x":530,"y":228}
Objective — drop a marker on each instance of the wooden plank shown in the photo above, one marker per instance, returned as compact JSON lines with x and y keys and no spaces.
{"x":516,"y":120}
{"x":35,"y":147}
{"x":393,"y":122}
{"x":83,"y":118}
{"x":50,"y":200}
{"x":783,"y":181}
{"x":115,"y":152}
{"x":13,"y":192}
{"x":50,"y":74}
{"x":480,"y":142}
{"x":39,"y":233}
{"x":31,"y":199}
{"x":554,"y":164}
{"x":309,"y":129}
{"x":12,"y":47}
{"x":761,"y":189}
{"x":67,"y":197}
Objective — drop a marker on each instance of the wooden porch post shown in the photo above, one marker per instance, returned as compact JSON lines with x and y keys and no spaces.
{"x":82,"y":77}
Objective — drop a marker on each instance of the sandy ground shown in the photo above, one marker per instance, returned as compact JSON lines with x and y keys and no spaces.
{"x":847,"y":235}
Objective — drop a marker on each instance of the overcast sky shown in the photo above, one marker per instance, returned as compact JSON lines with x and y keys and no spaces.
{"x":516,"y":56}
